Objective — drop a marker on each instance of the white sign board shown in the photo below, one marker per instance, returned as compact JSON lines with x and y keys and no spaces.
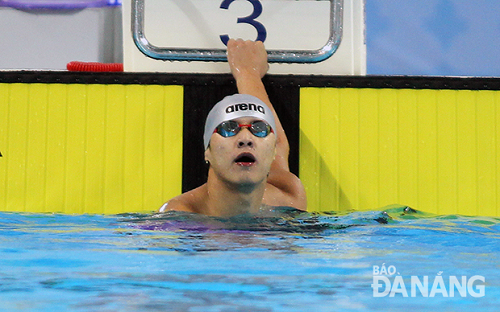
{"x":205,"y":25}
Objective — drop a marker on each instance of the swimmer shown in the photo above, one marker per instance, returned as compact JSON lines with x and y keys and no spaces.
{"x":245,"y":146}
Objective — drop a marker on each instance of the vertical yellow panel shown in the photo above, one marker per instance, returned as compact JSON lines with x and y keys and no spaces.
{"x":172,"y":144}
{"x":4,"y":125}
{"x":56,"y":148}
{"x":387,"y":158}
{"x":310,"y":158}
{"x":35,"y":148}
{"x":349,"y":148}
{"x":153,"y":146}
{"x":446,"y":152}
{"x":75,"y":145}
{"x":134,"y":146}
{"x":95,"y":149}
{"x":369,"y":174}
{"x":496,"y":112}
{"x":407,"y":148}
{"x":486,"y":153}
{"x":114,"y":183}
{"x":427,"y":150}
{"x":329,"y":123}
{"x":18,"y":140}
{"x":466,"y":153}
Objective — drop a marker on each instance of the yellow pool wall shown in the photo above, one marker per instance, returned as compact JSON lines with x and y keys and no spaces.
{"x":96,"y":148}
{"x":77,"y":148}
{"x":434,"y":150}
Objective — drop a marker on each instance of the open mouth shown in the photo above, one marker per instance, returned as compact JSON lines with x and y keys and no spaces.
{"x":245,"y":159}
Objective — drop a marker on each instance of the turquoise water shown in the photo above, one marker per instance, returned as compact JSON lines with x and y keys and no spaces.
{"x":282,"y":261}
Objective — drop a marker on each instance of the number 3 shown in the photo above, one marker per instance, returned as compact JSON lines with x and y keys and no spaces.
{"x":257,"y":11}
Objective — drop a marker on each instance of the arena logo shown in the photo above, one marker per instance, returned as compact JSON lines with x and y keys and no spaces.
{"x":393,"y":283}
{"x":244,"y":107}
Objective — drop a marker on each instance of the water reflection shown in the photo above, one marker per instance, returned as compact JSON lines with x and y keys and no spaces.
{"x":279,"y":230}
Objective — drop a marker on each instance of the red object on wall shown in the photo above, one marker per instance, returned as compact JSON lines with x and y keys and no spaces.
{"x":94,"y":67}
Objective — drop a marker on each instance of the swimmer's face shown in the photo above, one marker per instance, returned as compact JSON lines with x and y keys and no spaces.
{"x":243,"y":158}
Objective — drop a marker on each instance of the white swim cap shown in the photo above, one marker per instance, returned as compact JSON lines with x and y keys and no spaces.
{"x":236,"y":106}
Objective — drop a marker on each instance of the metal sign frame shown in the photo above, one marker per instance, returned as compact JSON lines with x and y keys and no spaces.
{"x":219,"y":55}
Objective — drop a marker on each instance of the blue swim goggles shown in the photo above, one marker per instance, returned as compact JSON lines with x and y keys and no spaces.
{"x":231,"y":128}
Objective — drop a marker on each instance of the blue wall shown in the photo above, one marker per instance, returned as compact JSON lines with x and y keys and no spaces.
{"x":433,"y":37}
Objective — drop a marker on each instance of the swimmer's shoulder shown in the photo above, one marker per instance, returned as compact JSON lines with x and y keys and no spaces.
{"x":175,"y":204}
{"x":191,"y":201}
{"x":286,"y":189}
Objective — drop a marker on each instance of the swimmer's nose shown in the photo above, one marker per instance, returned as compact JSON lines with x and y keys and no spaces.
{"x":245,"y":138}
{"x":245,"y":143}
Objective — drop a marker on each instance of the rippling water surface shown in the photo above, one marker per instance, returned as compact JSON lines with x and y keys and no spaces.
{"x":282,"y":260}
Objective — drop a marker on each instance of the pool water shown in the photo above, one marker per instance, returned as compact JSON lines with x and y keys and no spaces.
{"x":282,"y":260}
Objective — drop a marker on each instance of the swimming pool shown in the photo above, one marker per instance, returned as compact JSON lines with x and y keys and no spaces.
{"x":282,"y":261}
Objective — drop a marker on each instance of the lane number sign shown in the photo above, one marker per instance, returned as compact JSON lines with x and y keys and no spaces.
{"x":250,"y":19}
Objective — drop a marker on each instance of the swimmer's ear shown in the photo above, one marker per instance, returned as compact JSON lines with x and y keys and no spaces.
{"x":207,"y":155}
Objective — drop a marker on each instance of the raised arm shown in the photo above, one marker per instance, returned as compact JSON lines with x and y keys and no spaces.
{"x":248,"y":63}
